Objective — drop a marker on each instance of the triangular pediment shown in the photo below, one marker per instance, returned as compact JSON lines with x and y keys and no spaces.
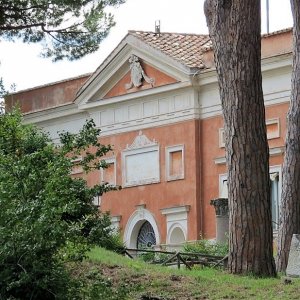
{"x":132,"y":68}
{"x":125,"y":85}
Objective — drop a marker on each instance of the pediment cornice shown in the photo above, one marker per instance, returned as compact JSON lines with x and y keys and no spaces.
{"x":117,"y":65}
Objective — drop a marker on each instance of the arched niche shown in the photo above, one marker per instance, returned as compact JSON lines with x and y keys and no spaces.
{"x":176,"y":235}
{"x":177,"y":219}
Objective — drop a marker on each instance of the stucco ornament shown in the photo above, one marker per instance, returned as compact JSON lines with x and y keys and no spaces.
{"x":141,"y":141}
{"x":137,"y":74}
{"x":221,"y":206}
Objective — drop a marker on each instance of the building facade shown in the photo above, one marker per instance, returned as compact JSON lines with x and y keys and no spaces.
{"x":156,"y":100}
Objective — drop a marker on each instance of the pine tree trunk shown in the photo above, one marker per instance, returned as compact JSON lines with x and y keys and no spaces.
{"x":290,"y":205}
{"x":234,"y":28}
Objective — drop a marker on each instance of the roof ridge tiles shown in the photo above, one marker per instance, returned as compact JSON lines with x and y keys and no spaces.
{"x":166,"y":32}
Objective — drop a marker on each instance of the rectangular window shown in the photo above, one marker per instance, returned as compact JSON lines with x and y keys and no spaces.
{"x":175,"y":162}
{"x":76,"y":168}
{"x":275,"y":186}
{"x":221,"y":138}
{"x":109,"y":174}
{"x":223,"y":186}
{"x":97,"y":201}
{"x":272,"y":128}
{"x":274,"y":177}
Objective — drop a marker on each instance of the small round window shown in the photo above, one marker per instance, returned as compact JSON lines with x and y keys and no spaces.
{"x":146,"y":236}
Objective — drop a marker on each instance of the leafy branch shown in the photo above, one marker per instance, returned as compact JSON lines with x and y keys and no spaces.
{"x":68,"y":29}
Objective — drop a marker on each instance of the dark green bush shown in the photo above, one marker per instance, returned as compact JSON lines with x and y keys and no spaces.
{"x":47,"y":218}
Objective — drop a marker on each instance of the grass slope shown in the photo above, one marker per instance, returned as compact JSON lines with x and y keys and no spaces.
{"x":124,"y":278}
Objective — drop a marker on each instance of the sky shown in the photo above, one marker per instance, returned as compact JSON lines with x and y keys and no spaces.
{"x":21,"y":65}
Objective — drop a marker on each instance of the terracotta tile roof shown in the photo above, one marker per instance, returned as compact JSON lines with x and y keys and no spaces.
{"x":185,"y":48}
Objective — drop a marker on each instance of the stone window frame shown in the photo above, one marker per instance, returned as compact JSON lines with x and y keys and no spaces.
{"x":270,"y":136}
{"x":76,"y":168}
{"x":273,"y":169}
{"x":109,"y":160}
{"x":273,"y":135}
{"x":169,"y":150}
{"x":221,"y":138}
{"x":142,"y":150}
{"x":222,"y":177}
{"x":140,"y":145}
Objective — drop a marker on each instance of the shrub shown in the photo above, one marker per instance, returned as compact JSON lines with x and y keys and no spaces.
{"x":147,"y":256}
{"x":207,"y":247}
{"x":47,"y":218}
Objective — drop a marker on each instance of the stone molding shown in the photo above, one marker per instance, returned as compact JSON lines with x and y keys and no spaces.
{"x":141,"y":141}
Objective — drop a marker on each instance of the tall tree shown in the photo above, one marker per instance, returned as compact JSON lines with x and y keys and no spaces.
{"x":47,"y":218}
{"x":67,"y":29}
{"x":290,"y":207}
{"x":234,"y":28}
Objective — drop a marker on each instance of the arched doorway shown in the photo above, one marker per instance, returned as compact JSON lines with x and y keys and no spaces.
{"x":146,"y":236}
{"x":141,"y":228}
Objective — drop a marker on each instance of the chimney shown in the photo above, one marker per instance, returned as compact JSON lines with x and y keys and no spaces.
{"x":157,"y":27}
{"x":268,"y":16}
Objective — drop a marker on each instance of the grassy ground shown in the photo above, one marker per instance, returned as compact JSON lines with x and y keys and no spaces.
{"x":136,"y":280}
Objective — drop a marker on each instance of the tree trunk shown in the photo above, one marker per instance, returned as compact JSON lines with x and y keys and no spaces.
{"x":234,"y":28}
{"x":290,"y":205}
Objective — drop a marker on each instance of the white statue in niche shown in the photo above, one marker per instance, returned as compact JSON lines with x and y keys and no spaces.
{"x":137,"y":73}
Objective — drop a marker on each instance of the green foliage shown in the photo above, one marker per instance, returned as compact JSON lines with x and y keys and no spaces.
{"x":96,"y":286}
{"x":161,"y":257}
{"x":147,"y":281}
{"x":147,"y":256}
{"x":207,"y":247}
{"x":2,"y":89}
{"x":67,"y":29}
{"x":2,"y":105}
{"x":151,"y":257}
{"x":3,"y":92}
{"x":47,"y":218}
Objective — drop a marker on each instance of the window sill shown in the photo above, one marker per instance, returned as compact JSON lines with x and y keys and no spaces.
{"x":139,"y":183}
{"x":175,"y":177}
